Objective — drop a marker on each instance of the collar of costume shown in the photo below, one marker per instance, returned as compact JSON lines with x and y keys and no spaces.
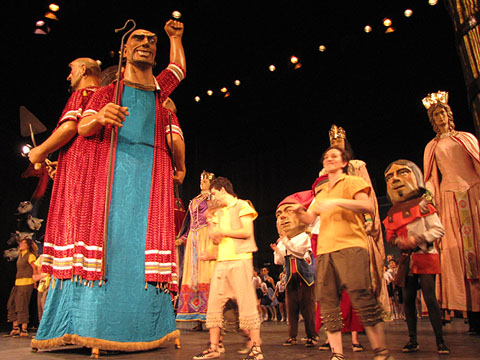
{"x":407,"y":212}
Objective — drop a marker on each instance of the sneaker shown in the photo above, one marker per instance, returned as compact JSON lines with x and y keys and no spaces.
{"x":443,"y":349}
{"x":311,"y":342}
{"x":324,"y":347}
{"x":207,"y":354}
{"x":411,"y":346}
{"x":357,"y":347}
{"x":254,"y":354}
{"x":290,"y":341}
{"x":337,"y":356}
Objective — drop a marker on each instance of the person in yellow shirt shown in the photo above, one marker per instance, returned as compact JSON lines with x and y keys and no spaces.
{"x":231,"y":227}
{"x":19,"y":301}
{"x":342,"y":259}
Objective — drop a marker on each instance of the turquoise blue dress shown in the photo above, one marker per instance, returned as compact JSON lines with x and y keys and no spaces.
{"x":121,"y":310}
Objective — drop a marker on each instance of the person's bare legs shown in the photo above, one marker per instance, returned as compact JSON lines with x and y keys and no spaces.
{"x":355,"y":338}
{"x":214,"y":337}
{"x":376,"y":336}
{"x":335,"y":341}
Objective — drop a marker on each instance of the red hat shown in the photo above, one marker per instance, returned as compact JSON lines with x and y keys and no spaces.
{"x":303,"y":198}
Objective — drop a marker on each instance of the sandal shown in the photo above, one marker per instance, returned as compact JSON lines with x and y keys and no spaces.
{"x":255,"y":353}
{"x":24,"y":333}
{"x":382,"y":354}
{"x":15,"y":331}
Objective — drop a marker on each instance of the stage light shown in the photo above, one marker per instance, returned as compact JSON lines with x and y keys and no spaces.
{"x":367,"y":29}
{"x":322,"y":48}
{"x":272,"y":68}
{"x":227,"y":94}
{"x":389,"y":30}
{"x":176,"y":14}
{"x":223,"y":90}
{"x":26,"y":150}
{"x":432,"y":2}
{"x":209,"y":92}
{"x":51,"y":15}
{"x":293,"y":59}
{"x":297,"y":66}
{"x":42,"y":28}
{"x":54,"y":7}
{"x":387,"y":22}
{"x":197,"y":98}
{"x":408,"y":12}
{"x":237,"y":82}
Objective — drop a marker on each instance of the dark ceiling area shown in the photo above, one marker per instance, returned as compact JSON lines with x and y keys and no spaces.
{"x":268,"y":135}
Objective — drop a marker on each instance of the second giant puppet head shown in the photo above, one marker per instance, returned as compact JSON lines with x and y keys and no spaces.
{"x":404,"y":181}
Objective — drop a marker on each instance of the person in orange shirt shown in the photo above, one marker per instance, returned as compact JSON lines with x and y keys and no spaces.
{"x":342,"y":257}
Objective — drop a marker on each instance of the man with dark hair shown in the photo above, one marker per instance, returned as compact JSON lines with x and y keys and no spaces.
{"x":231,"y":227}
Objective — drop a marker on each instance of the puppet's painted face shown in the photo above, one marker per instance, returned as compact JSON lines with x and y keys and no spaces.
{"x":440,"y":117}
{"x":288,"y":222}
{"x":401,"y":183}
{"x":204,"y":184}
{"x":141,"y":47}
{"x":76,"y":74}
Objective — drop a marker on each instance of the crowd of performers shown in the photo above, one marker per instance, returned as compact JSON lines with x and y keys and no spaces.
{"x":111,"y":239}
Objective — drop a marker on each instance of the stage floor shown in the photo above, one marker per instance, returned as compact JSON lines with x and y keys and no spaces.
{"x":462,"y":345}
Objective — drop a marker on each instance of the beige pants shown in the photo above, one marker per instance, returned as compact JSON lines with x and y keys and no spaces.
{"x":233,"y":280}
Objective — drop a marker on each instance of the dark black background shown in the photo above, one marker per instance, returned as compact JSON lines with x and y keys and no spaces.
{"x":268,"y":135}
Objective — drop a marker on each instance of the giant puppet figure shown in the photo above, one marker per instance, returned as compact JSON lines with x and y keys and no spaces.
{"x":193,"y":298}
{"x":452,"y":174}
{"x":413,"y":226}
{"x":119,"y":299}
{"x":84,"y":80}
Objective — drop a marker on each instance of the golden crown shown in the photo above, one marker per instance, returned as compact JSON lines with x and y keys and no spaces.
{"x":435,"y":98}
{"x":207,"y":175}
{"x":336,"y":132}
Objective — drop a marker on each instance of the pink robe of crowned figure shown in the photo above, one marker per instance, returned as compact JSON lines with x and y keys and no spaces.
{"x":452,"y":174}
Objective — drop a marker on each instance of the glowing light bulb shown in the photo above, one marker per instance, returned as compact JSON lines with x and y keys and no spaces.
{"x":432,"y":2}
{"x":54,"y":7}
{"x":176,"y":14}
{"x":272,"y":68}
{"x":197,"y":98}
{"x":408,"y":12}
{"x":223,"y":90}
{"x":367,"y":29}
{"x":322,"y":48}
{"x":237,"y":82}
{"x":209,"y":92}
{"x":387,"y":22}
{"x":294,"y":60}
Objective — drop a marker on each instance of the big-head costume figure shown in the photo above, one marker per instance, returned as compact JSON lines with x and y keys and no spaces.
{"x":294,"y":252}
{"x":452,"y":173}
{"x":413,"y":226}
